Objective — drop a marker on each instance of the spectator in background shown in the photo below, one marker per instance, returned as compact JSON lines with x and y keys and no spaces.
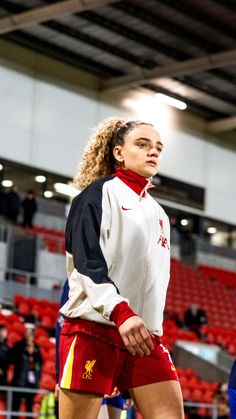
{"x":29,"y":206}
{"x":2,"y":202}
{"x":194,"y":319}
{"x":220,"y":398}
{"x":4,"y":353}
{"x":13,"y":205}
{"x":48,"y":407}
{"x":232,"y":391}
{"x":26,"y":358}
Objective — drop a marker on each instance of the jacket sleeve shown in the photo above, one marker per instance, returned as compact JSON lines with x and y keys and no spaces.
{"x":60,"y":321}
{"x":84,"y":240}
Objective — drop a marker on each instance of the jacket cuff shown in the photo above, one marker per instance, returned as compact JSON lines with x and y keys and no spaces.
{"x":120,"y":313}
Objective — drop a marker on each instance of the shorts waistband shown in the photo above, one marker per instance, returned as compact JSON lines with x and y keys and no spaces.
{"x":108,"y":334}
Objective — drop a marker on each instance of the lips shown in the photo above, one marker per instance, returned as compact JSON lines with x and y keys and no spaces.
{"x":152,"y":163}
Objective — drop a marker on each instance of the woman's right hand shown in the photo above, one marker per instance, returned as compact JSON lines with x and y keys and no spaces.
{"x":137,"y":339}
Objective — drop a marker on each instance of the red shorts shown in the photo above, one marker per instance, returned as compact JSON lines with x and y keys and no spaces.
{"x":93,"y":359}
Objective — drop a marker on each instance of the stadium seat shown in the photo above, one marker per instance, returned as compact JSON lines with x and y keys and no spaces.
{"x":196,"y":395}
{"x":49,"y":368}
{"x":47,"y":382}
{"x":24,"y":309}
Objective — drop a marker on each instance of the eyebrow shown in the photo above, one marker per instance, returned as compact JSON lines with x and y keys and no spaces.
{"x":148,"y":139}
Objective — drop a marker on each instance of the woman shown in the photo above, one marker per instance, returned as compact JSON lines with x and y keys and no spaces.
{"x":118,"y":257}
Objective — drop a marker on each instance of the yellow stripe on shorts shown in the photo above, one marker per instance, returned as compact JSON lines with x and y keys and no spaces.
{"x":67,"y":371}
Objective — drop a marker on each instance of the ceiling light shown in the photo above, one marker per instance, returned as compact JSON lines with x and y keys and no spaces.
{"x":40,"y":179}
{"x":48,"y":194}
{"x":7,"y":183}
{"x":65,"y":189}
{"x":171,"y":101}
{"x":184,"y":222}
{"x":1,"y":166}
{"x":212,"y":230}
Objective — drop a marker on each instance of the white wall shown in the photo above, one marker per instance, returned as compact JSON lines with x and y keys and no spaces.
{"x":47,"y":126}
{"x":50,"y":221}
{"x":3,"y":260}
{"x":221,"y":182}
{"x":216,"y":261}
{"x":175,"y":251}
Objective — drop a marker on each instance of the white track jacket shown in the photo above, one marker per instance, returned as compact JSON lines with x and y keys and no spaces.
{"x":118,"y":252}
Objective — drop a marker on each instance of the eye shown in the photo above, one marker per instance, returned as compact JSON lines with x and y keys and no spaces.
{"x":142,"y":145}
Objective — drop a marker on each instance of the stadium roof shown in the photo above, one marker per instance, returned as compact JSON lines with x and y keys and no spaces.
{"x":185,"y":49}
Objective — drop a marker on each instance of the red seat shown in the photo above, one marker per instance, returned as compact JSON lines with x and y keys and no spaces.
{"x":203,"y":412}
{"x":197,"y":395}
{"x":43,"y":341}
{"x":183,"y":381}
{"x":40,"y":331}
{"x":49,"y":367}
{"x":12,"y":338}
{"x":207,"y":397}
{"x":2,"y":408}
{"x":48,"y":322}
{"x":189,"y":373}
{"x":17,"y":327}
{"x":232,"y":349}
{"x":186,"y":394}
{"x":193,"y":383}
{"x":47,"y":382}
{"x":24,"y":309}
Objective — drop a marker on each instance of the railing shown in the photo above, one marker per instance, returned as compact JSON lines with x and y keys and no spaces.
{"x":204,"y":246}
{"x":9,"y":287}
{"x":49,"y":240}
{"x":211,"y":406}
{"x":9,"y":398}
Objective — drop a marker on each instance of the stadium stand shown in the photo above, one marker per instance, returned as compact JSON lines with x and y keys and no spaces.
{"x":228,"y":278}
{"x":212,"y":289}
{"x":186,"y":286}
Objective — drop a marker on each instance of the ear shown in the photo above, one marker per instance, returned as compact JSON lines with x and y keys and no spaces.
{"x":118,"y":153}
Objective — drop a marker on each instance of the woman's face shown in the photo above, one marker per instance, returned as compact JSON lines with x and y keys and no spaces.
{"x":141,"y":151}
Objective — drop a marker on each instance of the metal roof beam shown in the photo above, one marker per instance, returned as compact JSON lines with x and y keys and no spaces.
{"x":221,"y":125}
{"x":192,"y":10}
{"x":100,"y":44}
{"x":86,"y":38}
{"x":156,"y":21}
{"x":134,"y":35}
{"x":150,"y":42}
{"x":45,"y":13}
{"x":187,"y":67}
{"x":61,"y":54}
{"x":170,"y":27}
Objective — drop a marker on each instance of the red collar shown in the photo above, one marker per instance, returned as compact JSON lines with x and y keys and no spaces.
{"x":136,"y":182}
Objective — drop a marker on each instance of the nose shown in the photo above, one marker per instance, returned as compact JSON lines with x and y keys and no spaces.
{"x":153,"y":151}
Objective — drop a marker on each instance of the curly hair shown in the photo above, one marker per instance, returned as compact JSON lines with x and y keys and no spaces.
{"x":98,"y":159}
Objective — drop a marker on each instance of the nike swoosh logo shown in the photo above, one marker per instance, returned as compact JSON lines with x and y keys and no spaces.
{"x":126,"y":209}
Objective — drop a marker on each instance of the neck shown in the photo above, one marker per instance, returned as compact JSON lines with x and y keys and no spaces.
{"x":136,"y":182}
